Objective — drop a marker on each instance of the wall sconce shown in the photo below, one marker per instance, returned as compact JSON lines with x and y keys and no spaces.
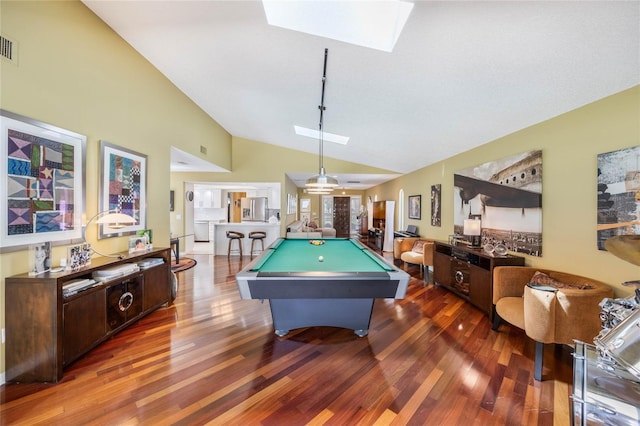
{"x":473,"y":229}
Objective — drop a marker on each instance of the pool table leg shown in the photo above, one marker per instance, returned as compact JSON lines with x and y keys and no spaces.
{"x":289,"y":314}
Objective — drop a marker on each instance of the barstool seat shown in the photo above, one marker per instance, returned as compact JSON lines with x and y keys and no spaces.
{"x":259,"y":236}
{"x":234,"y":236}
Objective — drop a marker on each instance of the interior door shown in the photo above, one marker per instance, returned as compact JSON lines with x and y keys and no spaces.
{"x":342,"y":216}
{"x":236,"y":207}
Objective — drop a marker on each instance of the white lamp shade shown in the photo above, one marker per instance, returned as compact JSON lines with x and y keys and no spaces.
{"x":116,"y":220}
{"x":322,"y":181}
{"x":472,"y":227}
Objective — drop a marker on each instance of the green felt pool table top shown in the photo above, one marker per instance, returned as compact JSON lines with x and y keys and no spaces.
{"x":339,"y":255}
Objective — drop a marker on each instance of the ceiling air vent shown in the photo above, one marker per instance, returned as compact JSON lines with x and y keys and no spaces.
{"x":353,"y":181}
{"x":9,"y":49}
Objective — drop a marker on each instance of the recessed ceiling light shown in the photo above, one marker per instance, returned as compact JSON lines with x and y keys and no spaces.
{"x":326,"y":136}
{"x":373,"y":24}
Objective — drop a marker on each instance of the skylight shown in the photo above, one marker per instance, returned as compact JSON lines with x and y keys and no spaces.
{"x":326,"y":136}
{"x":372,"y":24}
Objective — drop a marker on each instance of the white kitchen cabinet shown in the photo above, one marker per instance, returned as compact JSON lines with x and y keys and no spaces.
{"x":216,"y":198}
{"x":257,"y":193}
{"x":274,"y":198}
{"x":207,"y":197}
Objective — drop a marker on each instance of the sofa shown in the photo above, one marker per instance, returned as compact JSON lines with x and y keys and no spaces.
{"x":550,"y":306}
{"x":415,"y":250}
{"x":298,"y":229}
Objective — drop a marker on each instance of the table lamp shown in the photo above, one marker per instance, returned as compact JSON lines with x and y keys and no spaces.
{"x":473,"y":229}
{"x":114,"y":219}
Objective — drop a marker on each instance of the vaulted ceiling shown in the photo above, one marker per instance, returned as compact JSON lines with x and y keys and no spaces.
{"x":461,"y":74}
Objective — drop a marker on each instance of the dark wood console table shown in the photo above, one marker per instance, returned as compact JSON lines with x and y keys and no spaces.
{"x":468,"y":272}
{"x":46,"y":331}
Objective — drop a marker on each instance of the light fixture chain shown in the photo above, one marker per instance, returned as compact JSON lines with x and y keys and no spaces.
{"x":322,"y":109}
{"x":322,"y":182}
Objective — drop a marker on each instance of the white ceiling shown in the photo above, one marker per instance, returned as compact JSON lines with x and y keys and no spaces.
{"x":461,"y":74}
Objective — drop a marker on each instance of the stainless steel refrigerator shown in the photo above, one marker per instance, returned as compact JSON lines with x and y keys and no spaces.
{"x":254,"y":209}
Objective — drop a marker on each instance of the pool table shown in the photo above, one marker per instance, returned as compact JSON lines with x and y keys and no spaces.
{"x":334,"y":283}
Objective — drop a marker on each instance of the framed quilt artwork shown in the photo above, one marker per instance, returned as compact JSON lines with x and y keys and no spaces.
{"x":42,"y":175}
{"x":123,"y":187}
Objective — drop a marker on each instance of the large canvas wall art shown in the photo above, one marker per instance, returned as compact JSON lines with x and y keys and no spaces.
{"x":507,"y":194}
{"x":42,"y":189}
{"x":123,"y":187}
{"x":618,"y":194}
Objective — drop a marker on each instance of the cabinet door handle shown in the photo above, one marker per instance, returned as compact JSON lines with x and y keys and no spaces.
{"x":125,"y":302}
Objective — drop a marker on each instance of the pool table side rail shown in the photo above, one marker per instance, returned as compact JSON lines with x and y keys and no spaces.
{"x":257,"y":264}
{"x":392,"y":282}
{"x":324,"y":289}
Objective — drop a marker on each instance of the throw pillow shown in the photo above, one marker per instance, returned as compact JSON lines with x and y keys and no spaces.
{"x":541,"y":279}
{"x":312,"y":225}
{"x":418,"y":247}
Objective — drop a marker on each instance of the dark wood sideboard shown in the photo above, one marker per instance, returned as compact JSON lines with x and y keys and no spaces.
{"x":46,"y":331}
{"x":468,"y":272}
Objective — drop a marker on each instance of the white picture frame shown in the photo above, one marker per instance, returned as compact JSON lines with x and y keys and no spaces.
{"x":123,"y":187}
{"x":42,"y":182}
{"x":39,"y":258}
{"x":138,"y":243}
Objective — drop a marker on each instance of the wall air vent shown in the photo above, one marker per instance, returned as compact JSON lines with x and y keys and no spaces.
{"x":203,"y":149}
{"x":9,"y":49}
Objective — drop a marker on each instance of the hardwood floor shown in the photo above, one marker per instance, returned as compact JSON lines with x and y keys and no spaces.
{"x":430,"y":358}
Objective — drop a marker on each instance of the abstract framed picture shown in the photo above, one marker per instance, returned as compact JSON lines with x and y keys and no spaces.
{"x":123,"y":187}
{"x":618,"y":194}
{"x":42,"y":175}
{"x":506,"y":195}
{"x":436,"y":198}
{"x":415,"y":206}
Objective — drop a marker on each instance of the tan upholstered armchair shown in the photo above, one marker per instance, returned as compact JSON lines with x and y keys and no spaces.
{"x":418,"y":251}
{"x":552,"y":307}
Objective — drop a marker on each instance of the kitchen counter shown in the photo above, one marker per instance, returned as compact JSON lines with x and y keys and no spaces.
{"x":220,"y":235}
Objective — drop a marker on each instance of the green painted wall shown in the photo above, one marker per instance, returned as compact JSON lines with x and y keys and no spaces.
{"x":74,"y":72}
{"x":570,"y":144}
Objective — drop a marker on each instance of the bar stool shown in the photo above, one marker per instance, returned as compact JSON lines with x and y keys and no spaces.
{"x":234,"y":236}
{"x":259,"y":236}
